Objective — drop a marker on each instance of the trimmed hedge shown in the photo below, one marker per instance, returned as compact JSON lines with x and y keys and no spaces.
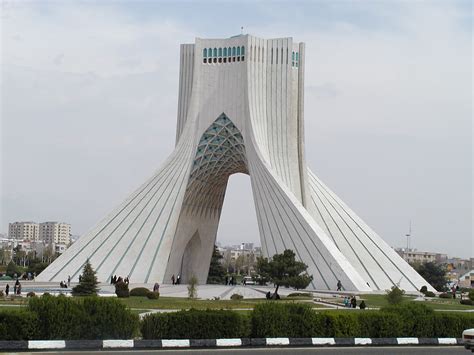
{"x":121,"y":290}
{"x":139,"y":292}
{"x":18,"y":325}
{"x":405,"y":320}
{"x":294,"y":320}
{"x":195,"y":324}
{"x":153,"y":295}
{"x":85,"y":318}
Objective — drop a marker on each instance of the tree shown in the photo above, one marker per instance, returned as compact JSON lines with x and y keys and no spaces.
{"x":239,"y":263}
{"x":192,"y":287}
{"x":13,"y":269}
{"x":284,"y":270}
{"x":434,"y":274}
{"x":395,"y":295}
{"x":216,"y":270}
{"x":88,"y":282}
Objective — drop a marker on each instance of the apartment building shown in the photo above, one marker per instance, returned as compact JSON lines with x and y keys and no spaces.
{"x":24,"y":231}
{"x":55,"y":232}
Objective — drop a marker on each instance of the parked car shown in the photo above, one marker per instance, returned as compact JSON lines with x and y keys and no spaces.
{"x":247,"y":280}
{"x":468,"y":339}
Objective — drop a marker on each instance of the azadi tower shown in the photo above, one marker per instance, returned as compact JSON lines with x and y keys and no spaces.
{"x":241,"y":107}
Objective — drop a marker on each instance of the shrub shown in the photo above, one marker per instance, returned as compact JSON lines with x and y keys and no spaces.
{"x":429,"y":294}
{"x":451,"y":325}
{"x":373,"y":324}
{"x":139,"y":292}
{"x":59,"y":317}
{"x":294,"y":320}
{"x":418,"y":319}
{"x":88,"y":318}
{"x":300,"y":294}
{"x":467,"y":302}
{"x":445,"y":295}
{"x":108,"y":319}
{"x":18,"y":325}
{"x":471,"y":295}
{"x":395,"y":295}
{"x":195,"y":324}
{"x":1,"y":293}
{"x":121,"y":289}
{"x":236,"y":297}
{"x":31,"y":294}
{"x":192,"y":287}
{"x":423,"y":289}
{"x":153,"y":295}
{"x":343,"y":324}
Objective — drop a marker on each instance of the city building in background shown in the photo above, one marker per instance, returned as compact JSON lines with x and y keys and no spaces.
{"x":459,"y":271}
{"x":34,"y":240}
{"x":55,"y":232}
{"x":414,"y":256}
{"x":23,"y":231}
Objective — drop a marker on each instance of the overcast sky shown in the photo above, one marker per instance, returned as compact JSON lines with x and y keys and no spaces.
{"x":89,"y":95}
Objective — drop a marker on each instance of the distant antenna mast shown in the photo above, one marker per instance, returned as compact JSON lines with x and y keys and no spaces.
{"x":408,"y":235}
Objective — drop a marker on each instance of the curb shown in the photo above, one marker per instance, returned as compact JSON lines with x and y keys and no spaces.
{"x":213,"y":343}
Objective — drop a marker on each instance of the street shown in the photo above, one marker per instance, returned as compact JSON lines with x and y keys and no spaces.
{"x":386,"y":350}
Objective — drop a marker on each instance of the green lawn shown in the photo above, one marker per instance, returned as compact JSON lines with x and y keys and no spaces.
{"x":184,"y":303}
{"x":435,"y":302}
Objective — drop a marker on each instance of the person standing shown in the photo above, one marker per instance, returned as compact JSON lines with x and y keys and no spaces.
{"x":69,"y":280}
{"x":156,"y":287}
{"x":353,"y":302}
{"x":339,"y":285}
{"x":173,"y":279}
{"x":7,"y":289}
{"x":178,"y":279}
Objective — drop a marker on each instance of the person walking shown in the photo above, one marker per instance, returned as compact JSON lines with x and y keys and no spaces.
{"x":172,"y":279}
{"x":339,"y":285}
{"x":7,"y":289}
{"x":69,"y":280}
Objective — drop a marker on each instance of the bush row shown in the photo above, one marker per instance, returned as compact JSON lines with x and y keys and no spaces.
{"x":300,"y":321}
{"x":195,"y":324}
{"x":407,"y":320}
{"x":60,"y":317}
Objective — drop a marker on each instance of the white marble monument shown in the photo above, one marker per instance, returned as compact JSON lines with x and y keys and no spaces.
{"x":240,"y":110}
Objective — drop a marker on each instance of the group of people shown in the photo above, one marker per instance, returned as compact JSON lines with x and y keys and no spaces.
{"x":114,"y":280}
{"x":351,"y":302}
{"x":230,"y":280}
{"x":176,"y":280}
{"x":16,"y":288}
{"x":64,"y":284}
